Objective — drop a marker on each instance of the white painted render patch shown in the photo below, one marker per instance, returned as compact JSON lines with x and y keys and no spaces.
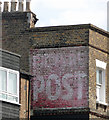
{"x":100,"y":64}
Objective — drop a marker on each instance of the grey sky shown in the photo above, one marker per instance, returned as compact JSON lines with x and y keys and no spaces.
{"x":69,"y":12}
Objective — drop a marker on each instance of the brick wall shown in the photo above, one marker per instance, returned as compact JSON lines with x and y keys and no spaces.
{"x":19,"y":38}
{"x":60,"y":77}
{"x":15,"y":38}
{"x":98,"y":49}
{"x":59,"y":36}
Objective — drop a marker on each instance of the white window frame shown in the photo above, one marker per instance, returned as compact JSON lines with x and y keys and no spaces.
{"x":6,"y":92}
{"x":100,"y":65}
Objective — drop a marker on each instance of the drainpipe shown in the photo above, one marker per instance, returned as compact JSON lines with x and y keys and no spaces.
{"x":29,"y":98}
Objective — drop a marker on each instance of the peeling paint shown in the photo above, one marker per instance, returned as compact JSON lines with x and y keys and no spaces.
{"x":60,"y":77}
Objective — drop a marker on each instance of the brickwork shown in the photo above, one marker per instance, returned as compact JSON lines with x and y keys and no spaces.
{"x":98,"y":40}
{"x":59,"y":36}
{"x":19,"y":37}
{"x":67,"y":68}
{"x":15,"y":38}
{"x":97,"y":50}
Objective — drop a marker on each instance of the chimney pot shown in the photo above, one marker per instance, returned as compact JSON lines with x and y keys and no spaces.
{"x":6,"y":7}
{"x":0,"y":6}
{"x":21,"y":5}
{"x":28,"y":5}
{"x":13,"y":5}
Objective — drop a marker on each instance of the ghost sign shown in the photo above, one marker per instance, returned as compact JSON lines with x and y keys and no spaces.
{"x":60,"y":77}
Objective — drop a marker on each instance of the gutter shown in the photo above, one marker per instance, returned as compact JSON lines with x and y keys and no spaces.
{"x":29,"y":98}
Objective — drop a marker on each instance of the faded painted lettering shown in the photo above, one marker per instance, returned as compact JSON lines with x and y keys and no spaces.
{"x":60,"y":77}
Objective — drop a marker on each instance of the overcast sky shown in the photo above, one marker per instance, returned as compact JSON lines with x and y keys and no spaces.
{"x":70,"y":12}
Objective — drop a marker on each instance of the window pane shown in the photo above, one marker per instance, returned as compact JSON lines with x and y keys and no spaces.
{"x":3,"y":81}
{"x":4,"y":96}
{"x":12,"y":83}
{"x":100,"y":76}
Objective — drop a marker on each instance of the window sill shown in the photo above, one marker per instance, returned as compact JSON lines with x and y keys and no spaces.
{"x":102,"y":103}
{"x":98,"y":84}
{"x":10,"y":102}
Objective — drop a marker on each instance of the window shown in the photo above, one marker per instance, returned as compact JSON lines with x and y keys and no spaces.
{"x":100,"y":81}
{"x":9,"y":85}
{"x":99,"y":75}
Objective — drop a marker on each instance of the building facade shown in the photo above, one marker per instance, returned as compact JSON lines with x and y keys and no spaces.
{"x":14,"y":87}
{"x":69,"y":65}
{"x":9,"y":85}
